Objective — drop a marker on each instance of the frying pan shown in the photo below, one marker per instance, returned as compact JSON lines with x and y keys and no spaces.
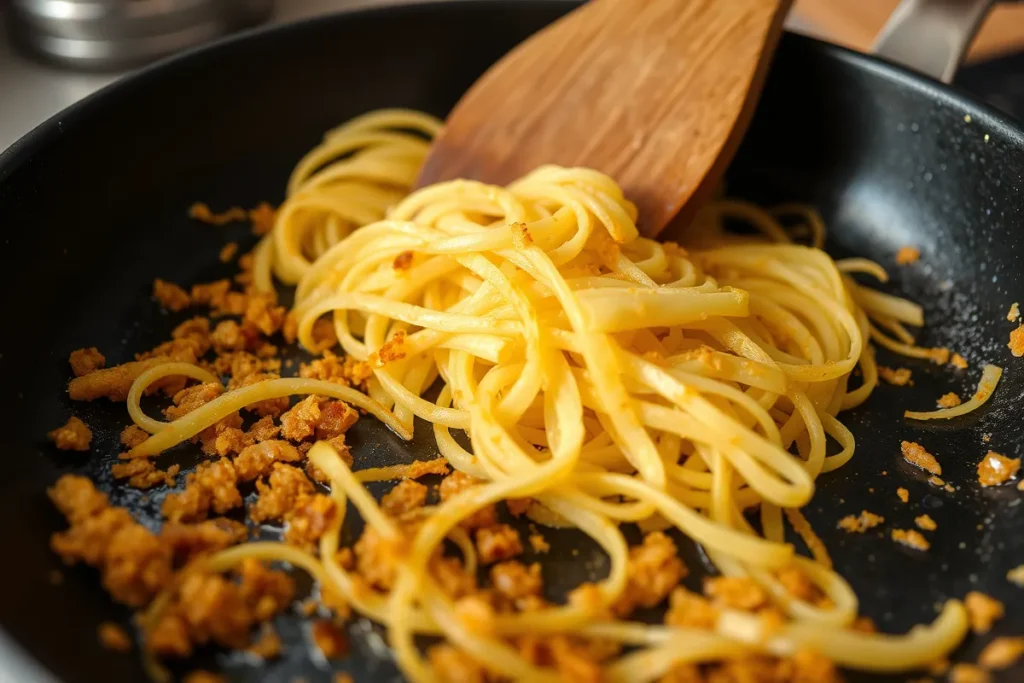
{"x":93,"y":207}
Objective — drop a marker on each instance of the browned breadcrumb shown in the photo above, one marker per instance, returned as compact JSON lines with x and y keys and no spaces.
{"x":309,"y":519}
{"x":267,"y":645}
{"x":860,"y":523}
{"x":958,"y":361}
{"x":917,"y":456}
{"x":516,"y":581}
{"x":170,"y":296}
{"x":911,"y":538}
{"x":799,"y":585}
{"x":73,"y":436}
{"x":1013,"y":313}
{"x":903,"y":494}
{"x":258,"y":459}
{"x":285,"y":486}
{"x":200,"y":676}
{"x":324,"y":335}
{"x":189,"y":541}
{"x":113,"y":637}
{"x":406,"y":496}
{"x":950,"y":400}
{"x":452,"y":665}
{"x":84,"y":361}
{"x":936,"y":481}
{"x":392,"y":350}
{"x":403,"y":261}
{"x":476,"y":614}
{"x":1016,"y":343}
{"x":421,"y":468}
{"x":738,"y":592}
{"x":539,"y":543}
{"x":926,"y":523}
{"x":496,"y":543}
{"x":1016,"y":575}
{"x":653,"y":570}
{"x":690,"y":610}
{"x":270,"y":406}
{"x":114,"y":383}
{"x":262,"y":218}
{"x":330,"y":639}
{"x":143,"y":474}
{"x":968,"y":673}
{"x":201,"y":212}
{"x":982,"y":611}
{"x":213,"y":485}
{"x":456,"y":483}
{"x":1002,"y":652}
{"x":907,"y":255}
{"x":133,"y":435}
{"x":228,"y":251}
{"x":995,"y":469}
{"x":899,"y":377}
{"x":346,"y":370}
{"x":264,"y":314}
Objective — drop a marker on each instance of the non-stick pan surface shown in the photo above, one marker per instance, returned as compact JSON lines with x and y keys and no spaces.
{"x":93,"y":207}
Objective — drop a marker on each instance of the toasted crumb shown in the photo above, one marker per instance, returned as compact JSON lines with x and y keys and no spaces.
{"x":201,"y":212}
{"x":84,"y":361}
{"x":899,"y":377}
{"x":995,"y":469}
{"x":968,"y":673}
{"x":330,"y":639}
{"x":262,"y":218}
{"x":950,"y":400}
{"x":73,"y":436}
{"x":540,"y":545}
{"x":861,"y":523}
{"x":268,"y":644}
{"x":958,"y":361}
{"x":925,"y":522}
{"x":1013,"y":313}
{"x":738,"y":592}
{"x":496,"y":543}
{"x":911,"y":538}
{"x":170,"y":296}
{"x":113,"y":637}
{"x":982,"y":611}
{"x":936,"y":481}
{"x":1016,"y":575}
{"x":1016,"y":344}
{"x":403,"y":261}
{"x":907,"y":255}
{"x":228,"y":252}
{"x":948,"y":488}
{"x":1002,"y":653}
{"x":917,"y":456}
{"x":904,"y":495}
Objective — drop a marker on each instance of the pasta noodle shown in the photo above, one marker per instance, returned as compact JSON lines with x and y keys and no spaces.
{"x":606,"y":376}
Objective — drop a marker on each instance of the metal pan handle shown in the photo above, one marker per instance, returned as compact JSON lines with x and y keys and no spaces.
{"x":931,"y":36}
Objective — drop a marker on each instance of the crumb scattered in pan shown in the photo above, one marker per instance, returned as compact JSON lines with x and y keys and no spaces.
{"x":950,"y":400}
{"x":995,"y":469}
{"x":925,"y":522}
{"x":1016,"y":344}
{"x":898,"y":377}
{"x":170,"y":296}
{"x":1013,"y":313}
{"x":860,"y":523}
{"x":982,"y":611}
{"x":228,"y":252}
{"x":958,"y":361}
{"x":113,"y":637}
{"x":73,"y":436}
{"x":911,"y":538}
{"x":330,"y":639}
{"x":907,"y":255}
{"x":936,"y":481}
{"x":917,"y":456}
{"x":1002,"y":653}
{"x":539,"y":544}
{"x":84,"y":361}
{"x":904,"y":495}
{"x":968,"y":673}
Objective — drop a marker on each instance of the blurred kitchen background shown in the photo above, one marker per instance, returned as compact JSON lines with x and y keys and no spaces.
{"x":55,"y":52}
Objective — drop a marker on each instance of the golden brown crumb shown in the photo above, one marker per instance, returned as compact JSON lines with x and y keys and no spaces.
{"x":421,"y":468}
{"x":213,"y":485}
{"x":516,"y":581}
{"x":324,"y":335}
{"x":738,"y":592}
{"x":456,"y":483}
{"x":201,"y":212}
{"x":133,"y":435}
{"x":899,"y":377}
{"x":170,"y":296}
{"x":936,"y":481}
{"x":907,"y":255}
{"x":84,"y":361}
{"x":392,"y":350}
{"x":1002,"y":653}
{"x":228,"y":252}
{"x":114,"y":383}
{"x":496,"y":543}
{"x":329,"y":638}
{"x":285,"y":486}
{"x":798,"y":584}
{"x":143,"y":474}
{"x":73,"y":436}
{"x":346,"y":371}
{"x":968,"y":673}
{"x":925,"y":522}
{"x":406,"y":496}
{"x":1016,"y":344}
{"x":1016,"y":575}
{"x":263,"y":314}
{"x":995,"y":469}
{"x":403,"y":261}
{"x":911,"y":538}
{"x":904,"y":495}
{"x":452,"y":665}
{"x":690,"y":610}
{"x":950,"y":400}
{"x":982,"y":611}
{"x":958,"y":361}
{"x":258,"y":459}
{"x":539,"y":544}
{"x":1013,"y":313}
{"x":917,"y":456}
{"x":860,"y":523}
{"x":262,"y":218}
{"x":201,"y":676}
{"x":653,"y":570}
{"x":308,"y":520}
{"x":188,"y":541}
{"x":266,"y":591}
{"x":268,"y":643}
{"x":113,"y":637}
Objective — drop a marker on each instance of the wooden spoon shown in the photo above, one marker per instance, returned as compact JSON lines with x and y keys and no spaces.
{"x":655,"y":93}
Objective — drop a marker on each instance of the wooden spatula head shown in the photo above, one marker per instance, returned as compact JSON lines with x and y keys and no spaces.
{"x":655,"y":93}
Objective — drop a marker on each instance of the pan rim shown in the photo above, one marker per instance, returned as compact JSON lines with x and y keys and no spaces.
{"x":16,"y":662}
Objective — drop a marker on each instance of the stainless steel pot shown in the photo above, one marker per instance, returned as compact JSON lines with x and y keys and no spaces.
{"x":103,"y":34}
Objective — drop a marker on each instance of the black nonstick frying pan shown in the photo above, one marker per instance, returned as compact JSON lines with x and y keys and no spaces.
{"x":93,"y":207}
